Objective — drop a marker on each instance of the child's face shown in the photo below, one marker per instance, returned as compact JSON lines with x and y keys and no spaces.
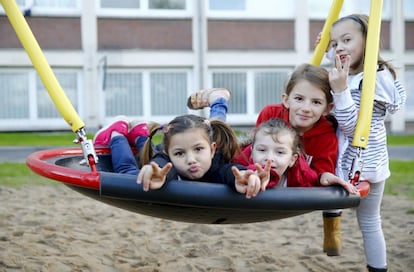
{"x":306,"y":104}
{"x":280,"y":152}
{"x":347,"y":39}
{"x":191,"y":153}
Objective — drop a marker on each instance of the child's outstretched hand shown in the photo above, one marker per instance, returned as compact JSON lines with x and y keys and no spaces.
{"x":153,"y":176}
{"x":263,"y":174}
{"x":246,"y":182}
{"x":328,"y":179}
{"x":338,"y":76}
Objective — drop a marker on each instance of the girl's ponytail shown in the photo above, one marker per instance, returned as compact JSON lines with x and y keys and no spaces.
{"x":225,"y":138}
{"x":147,"y":151}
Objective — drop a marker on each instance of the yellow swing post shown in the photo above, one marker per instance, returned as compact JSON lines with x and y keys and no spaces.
{"x":368,"y":87}
{"x":48,"y":78}
{"x":323,"y":43}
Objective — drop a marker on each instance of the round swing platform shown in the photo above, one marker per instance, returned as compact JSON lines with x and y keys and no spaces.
{"x":186,"y":201}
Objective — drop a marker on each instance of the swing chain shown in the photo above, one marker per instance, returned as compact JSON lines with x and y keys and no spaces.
{"x":89,"y":154}
{"x":356,"y":167}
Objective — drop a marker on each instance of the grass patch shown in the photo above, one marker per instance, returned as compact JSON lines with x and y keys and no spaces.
{"x":400,"y":139}
{"x":401,"y":181}
{"x":66,"y":138}
{"x":43,"y":138}
{"x":38,"y":138}
{"x":18,"y":174}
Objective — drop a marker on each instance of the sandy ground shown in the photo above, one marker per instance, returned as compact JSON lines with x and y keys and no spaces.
{"x":53,"y":228}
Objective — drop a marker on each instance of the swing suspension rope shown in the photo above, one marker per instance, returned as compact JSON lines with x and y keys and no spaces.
{"x":72,"y":118}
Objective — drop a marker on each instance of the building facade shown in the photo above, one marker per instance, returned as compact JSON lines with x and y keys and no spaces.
{"x":143,"y":58}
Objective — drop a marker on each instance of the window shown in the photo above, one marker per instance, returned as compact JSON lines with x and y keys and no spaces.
{"x":251,"y":9}
{"x":227,"y":5}
{"x":237,"y":83}
{"x":151,"y":4}
{"x":123,"y":94}
{"x":145,"y":8}
{"x":166,"y":4}
{"x":268,"y":88}
{"x":409,"y":86}
{"x":15,"y":102}
{"x":26,"y":99}
{"x":168,"y":93}
{"x":251,"y":90}
{"x":49,"y":7}
{"x":320,"y":9}
{"x":146,"y":94}
{"x":408,"y":7}
{"x":125,"y":4}
{"x":45,"y":106}
{"x":54,"y":3}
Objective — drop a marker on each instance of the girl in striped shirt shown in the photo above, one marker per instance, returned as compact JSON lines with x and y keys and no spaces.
{"x":348,"y":40}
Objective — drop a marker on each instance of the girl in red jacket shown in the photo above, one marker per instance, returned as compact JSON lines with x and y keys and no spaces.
{"x":306,"y":105}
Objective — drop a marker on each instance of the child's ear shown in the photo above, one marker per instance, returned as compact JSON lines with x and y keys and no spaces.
{"x":213,"y":148}
{"x":329,"y":108}
{"x":285,"y":98}
{"x":293,"y":159}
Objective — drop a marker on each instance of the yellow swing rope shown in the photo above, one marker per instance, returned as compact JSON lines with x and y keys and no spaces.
{"x":370,"y":72}
{"x":325,"y":36}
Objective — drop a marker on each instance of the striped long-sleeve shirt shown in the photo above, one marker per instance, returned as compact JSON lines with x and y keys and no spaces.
{"x":390,"y":96}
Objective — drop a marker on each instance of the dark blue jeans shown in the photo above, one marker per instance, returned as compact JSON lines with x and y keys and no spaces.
{"x":123,"y":160}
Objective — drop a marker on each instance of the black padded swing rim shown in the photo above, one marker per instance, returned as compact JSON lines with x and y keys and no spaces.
{"x":200,"y":202}
{"x":186,"y":201}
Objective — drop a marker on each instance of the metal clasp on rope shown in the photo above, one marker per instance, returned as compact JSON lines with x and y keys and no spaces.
{"x":356,"y":167}
{"x":89,"y":154}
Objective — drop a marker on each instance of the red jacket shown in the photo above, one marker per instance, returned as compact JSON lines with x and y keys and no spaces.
{"x":299,"y":175}
{"x":320,"y":142}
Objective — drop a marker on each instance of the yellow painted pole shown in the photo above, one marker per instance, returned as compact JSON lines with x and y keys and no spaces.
{"x":41,"y":65}
{"x":370,"y":71}
{"x":323,"y":43}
